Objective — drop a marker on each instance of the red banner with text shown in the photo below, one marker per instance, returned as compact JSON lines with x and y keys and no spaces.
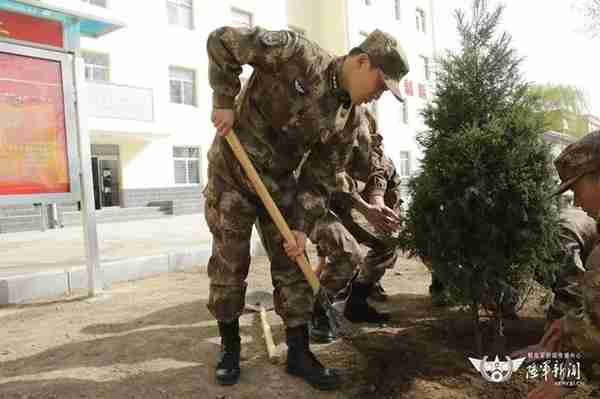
{"x":33,"y":142}
{"x":31,"y":29}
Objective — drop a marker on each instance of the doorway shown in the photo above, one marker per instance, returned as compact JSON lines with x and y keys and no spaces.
{"x":105,"y":175}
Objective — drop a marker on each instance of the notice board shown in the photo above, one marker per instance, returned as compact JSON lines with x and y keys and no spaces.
{"x":36,"y":125}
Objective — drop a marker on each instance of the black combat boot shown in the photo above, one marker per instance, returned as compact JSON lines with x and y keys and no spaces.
{"x":301,"y":362}
{"x":228,"y":367}
{"x":357,"y":309}
{"x":320,"y":329}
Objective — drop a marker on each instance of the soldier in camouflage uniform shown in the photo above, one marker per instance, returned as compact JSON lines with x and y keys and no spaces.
{"x":578,"y":236}
{"x":341,"y":232}
{"x":297,"y":96}
{"x":578,"y":331}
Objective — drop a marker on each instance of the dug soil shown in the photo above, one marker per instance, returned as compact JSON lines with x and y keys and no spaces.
{"x":155,"y":339}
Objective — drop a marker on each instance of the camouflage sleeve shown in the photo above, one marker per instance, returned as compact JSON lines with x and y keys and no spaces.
{"x":323,"y":174}
{"x":229,"y":48}
{"x":567,"y":293}
{"x":393,"y":194}
{"x":581,"y":327}
{"x":378,"y":173}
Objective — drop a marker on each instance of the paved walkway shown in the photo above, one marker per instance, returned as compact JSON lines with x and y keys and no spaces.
{"x":62,"y":249}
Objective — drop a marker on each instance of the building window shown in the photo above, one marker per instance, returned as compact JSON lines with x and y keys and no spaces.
{"x":425,"y":67}
{"x":187,"y":165}
{"x":421,"y":21}
{"x":241,"y":18}
{"x":182,"y":85}
{"x":181,"y":12}
{"x":298,"y":30}
{"x":422,"y":90}
{"x":99,"y":3}
{"x":404,"y":164}
{"x":397,"y":9}
{"x":97,"y":66}
{"x":404,"y":111}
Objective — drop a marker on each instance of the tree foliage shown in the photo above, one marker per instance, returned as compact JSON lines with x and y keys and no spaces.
{"x":563,"y":108}
{"x":481,"y":212}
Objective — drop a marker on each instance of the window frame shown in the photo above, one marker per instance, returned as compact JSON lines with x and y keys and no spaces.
{"x":187,"y":161}
{"x":421,"y":20}
{"x":407,"y":159}
{"x":425,"y":67}
{"x":404,"y":111}
{"x":178,"y":4}
{"x":95,"y":67}
{"x":241,"y":12}
{"x":194,"y":86}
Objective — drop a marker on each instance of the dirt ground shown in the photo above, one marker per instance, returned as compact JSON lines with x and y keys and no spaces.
{"x":154,"y":339}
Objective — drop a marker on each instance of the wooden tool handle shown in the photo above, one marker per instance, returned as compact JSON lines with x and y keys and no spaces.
{"x":268,"y":202}
{"x":271,"y":350}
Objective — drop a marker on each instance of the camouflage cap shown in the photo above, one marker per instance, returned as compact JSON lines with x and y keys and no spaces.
{"x":578,"y":159}
{"x":385,"y":53}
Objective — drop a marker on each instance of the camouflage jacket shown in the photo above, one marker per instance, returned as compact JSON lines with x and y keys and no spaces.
{"x":581,"y":325}
{"x":578,"y":236}
{"x":315,"y":187}
{"x":372,"y":172}
{"x":364,"y":170}
{"x":371,"y":169}
{"x":288,"y":106}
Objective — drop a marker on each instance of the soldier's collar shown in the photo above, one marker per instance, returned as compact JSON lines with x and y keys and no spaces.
{"x":335,"y":76}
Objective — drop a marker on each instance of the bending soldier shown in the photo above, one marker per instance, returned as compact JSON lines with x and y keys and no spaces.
{"x":298,"y":95}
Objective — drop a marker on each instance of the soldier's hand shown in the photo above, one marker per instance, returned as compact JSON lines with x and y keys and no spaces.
{"x":294,"y":250}
{"x":222,"y":119}
{"x":383,"y":218}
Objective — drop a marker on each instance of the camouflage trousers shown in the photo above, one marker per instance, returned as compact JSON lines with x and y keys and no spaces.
{"x":340,"y":238}
{"x":231,"y":210}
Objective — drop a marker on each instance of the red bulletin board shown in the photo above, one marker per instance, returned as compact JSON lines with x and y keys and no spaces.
{"x":31,"y":29}
{"x":33,"y":147}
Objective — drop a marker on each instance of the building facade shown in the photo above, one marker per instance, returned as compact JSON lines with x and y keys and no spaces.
{"x":149,"y":100}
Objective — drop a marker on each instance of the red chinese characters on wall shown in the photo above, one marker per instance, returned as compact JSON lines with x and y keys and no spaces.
{"x":408,"y":87}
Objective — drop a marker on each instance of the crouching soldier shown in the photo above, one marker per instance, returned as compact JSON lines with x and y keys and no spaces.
{"x":369,"y":219}
{"x":578,"y":331}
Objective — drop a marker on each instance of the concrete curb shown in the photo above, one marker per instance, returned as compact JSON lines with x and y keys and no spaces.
{"x":29,"y":287}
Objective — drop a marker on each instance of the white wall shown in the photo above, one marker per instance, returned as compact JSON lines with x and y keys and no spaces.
{"x":381,"y":15}
{"x":140,"y":55}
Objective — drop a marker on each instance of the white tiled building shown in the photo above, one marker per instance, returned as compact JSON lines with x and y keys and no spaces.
{"x":150,"y":101}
